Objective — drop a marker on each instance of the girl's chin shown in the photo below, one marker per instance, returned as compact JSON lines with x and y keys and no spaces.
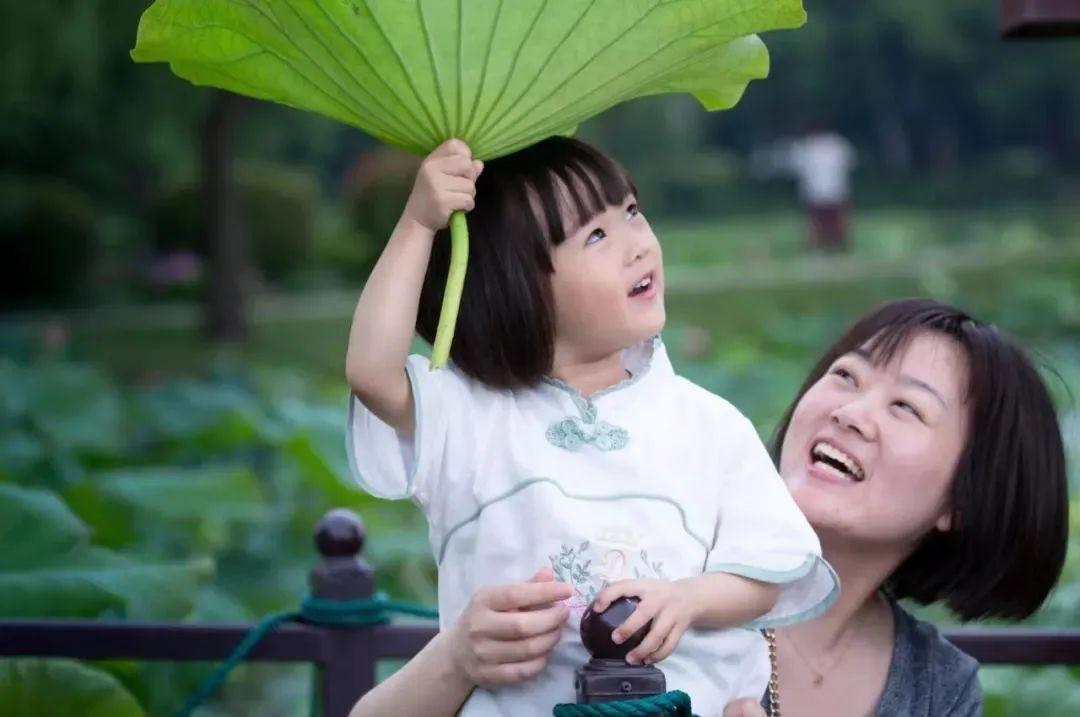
{"x":644,"y":330}
{"x":655,"y":323}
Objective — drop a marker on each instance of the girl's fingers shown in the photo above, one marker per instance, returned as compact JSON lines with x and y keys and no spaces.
{"x":658,"y":633}
{"x":613,"y":592}
{"x":458,"y":201}
{"x":456,"y":165}
{"x":461,"y":185}
{"x":668,"y":646}
{"x":637,"y":620}
{"x":451,"y":147}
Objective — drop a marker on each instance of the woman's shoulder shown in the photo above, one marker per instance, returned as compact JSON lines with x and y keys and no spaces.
{"x":930,"y":646}
{"x":929,"y":675}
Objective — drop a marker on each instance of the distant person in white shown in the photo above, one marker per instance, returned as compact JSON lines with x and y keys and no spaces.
{"x":822,"y":161}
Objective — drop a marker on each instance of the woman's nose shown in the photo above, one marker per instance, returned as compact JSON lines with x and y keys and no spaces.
{"x":855,"y":416}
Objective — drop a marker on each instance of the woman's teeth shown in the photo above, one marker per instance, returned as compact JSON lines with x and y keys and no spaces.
{"x":835,"y":461}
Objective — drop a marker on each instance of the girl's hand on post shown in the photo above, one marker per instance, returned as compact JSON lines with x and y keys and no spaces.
{"x":446,"y":183}
{"x":507,"y":632}
{"x":664,"y":603}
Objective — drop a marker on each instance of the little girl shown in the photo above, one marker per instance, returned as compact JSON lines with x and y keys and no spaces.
{"x":559,"y":435}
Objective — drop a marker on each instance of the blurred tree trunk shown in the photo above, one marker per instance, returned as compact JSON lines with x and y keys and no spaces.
{"x":1058,"y":132}
{"x":944,"y":141}
{"x":228,"y":282}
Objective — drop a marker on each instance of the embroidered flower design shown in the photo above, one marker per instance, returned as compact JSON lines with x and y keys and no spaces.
{"x":652,"y":569}
{"x":570,"y":566}
{"x":573,"y":565}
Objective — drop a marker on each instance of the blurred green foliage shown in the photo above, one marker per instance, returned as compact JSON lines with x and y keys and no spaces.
{"x":179,"y":500}
{"x":279,"y":208}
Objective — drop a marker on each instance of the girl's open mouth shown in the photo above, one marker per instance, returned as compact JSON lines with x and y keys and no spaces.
{"x":643,"y":286}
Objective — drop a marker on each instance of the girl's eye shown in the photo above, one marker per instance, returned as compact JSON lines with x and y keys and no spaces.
{"x":595,"y":236}
{"x":633,"y":210}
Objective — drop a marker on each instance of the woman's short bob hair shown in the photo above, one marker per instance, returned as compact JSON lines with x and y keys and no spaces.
{"x":526,"y":202}
{"x":1009,"y":496}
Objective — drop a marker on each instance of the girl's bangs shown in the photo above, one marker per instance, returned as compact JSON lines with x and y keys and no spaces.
{"x":574,"y":186}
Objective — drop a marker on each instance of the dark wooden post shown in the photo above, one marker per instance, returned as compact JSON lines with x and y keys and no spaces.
{"x":607,"y":677}
{"x":348,"y":665}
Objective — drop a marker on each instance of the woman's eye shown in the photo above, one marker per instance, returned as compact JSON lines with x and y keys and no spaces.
{"x":844,"y":374}
{"x":595,"y":236}
{"x":633,"y":210}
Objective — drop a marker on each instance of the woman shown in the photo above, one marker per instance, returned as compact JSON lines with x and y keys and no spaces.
{"x":925,"y":451}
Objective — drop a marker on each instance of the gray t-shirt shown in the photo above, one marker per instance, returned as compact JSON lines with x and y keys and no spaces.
{"x":928,"y":675}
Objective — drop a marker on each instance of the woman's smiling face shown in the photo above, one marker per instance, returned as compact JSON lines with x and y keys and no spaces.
{"x":871,"y":449}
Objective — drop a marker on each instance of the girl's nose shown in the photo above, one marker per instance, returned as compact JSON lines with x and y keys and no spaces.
{"x":639,"y":246}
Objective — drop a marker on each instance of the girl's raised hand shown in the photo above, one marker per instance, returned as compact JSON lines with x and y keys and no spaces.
{"x":446,"y":183}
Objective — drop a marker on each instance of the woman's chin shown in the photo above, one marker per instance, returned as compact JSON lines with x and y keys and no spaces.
{"x":823,"y":500}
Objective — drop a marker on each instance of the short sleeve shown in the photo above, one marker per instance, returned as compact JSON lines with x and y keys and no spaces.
{"x":390,"y":466}
{"x":762,"y":535}
{"x":969,"y":702}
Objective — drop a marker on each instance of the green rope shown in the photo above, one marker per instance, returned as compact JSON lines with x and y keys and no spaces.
{"x":675,"y":703}
{"x":367,"y":612}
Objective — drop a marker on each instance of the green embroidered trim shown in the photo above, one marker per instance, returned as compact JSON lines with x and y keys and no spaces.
{"x":783,"y":577}
{"x":582,"y":402}
{"x":532,"y":481}
{"x":572,"y":433}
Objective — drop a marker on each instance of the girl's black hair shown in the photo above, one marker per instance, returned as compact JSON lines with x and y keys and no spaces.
{"x":1009,"y":495}
{"x":526,"y":202}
